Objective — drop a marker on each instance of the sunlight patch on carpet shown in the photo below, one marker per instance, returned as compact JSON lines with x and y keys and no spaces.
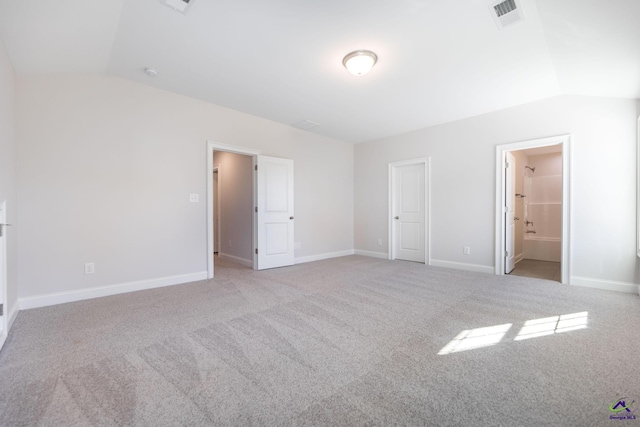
{"x":553,"y":325}
{"x":476,"y":338}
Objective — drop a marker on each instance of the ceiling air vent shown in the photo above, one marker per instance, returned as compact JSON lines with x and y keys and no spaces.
{"x":179,"y":5}
{"x":506,"y":12}
{"x":305,"y":125}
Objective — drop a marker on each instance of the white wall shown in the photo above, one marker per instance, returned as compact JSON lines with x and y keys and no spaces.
{"x":106,"y":167}
{"x":235,"y":179}
{"x":8,"y":174}
{"x":463,"y":182}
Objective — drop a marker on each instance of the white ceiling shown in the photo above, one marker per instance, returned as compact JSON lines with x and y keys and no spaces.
{"x":282,"y":59}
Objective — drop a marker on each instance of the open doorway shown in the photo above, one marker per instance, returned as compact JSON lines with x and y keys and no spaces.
{"x":532,"y":209}
{"x":271,"y":228}
{"x":538,"y":213}
{"x":233,"y":207}
{"x":214,"y":233}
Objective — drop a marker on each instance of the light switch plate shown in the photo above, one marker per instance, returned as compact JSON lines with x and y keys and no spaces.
{"x":89,"y":268}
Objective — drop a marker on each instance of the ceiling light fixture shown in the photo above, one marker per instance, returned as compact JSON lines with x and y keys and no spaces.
{"x":151,"y":72}
{"x":179,"y":5}
{"x":360,"y":62}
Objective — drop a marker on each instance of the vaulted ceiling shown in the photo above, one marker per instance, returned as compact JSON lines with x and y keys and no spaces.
{"x":439,"y":61}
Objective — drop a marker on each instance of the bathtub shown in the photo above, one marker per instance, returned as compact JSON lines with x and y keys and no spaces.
{"x":542,"y":248}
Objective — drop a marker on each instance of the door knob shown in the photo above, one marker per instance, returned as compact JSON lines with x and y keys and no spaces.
{"x":290,"y":217}
{"x":397,"y":217}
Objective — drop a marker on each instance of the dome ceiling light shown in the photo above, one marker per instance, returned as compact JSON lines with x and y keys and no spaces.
{"x":151,"y":72}
{"x":360,"y":62}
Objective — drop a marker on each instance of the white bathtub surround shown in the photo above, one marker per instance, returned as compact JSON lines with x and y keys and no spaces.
{"x":542,"y":248}
{"x":543,"y":207}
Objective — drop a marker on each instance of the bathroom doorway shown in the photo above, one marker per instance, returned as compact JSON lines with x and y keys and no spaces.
{"x":532,"y":221}
{"x":538,"y":212}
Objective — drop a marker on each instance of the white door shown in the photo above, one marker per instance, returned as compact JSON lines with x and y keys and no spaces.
{"x":3,"y":275}
{"x":274,"y":212}
{"x":408,"y":212}
{"x":509,"y":209}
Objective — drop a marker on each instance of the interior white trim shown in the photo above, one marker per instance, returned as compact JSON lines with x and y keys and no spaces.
{"x":5,"y":324}
{"x":11,"y":317}
{"x":237,"y":149}
{"x":13,"y":313}
{"x":462,"y":266}
{"x":427,"y":208}
{"x":218,"y":232}
{"x":638,"y":193}
{"x":218,"y":146}
{"x":103,"y":291}
{"x":607,"y":285}
{"x":319,"y":257}
{"x":372,"y":254}
{"x":565,"y":141}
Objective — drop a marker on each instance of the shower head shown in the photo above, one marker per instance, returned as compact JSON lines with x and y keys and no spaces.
{"x":532,"y":169}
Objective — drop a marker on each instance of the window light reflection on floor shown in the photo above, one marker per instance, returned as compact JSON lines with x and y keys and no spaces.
{"x":476,"y":338}
{"x":552,"y":325}
{"x":492,"y":335}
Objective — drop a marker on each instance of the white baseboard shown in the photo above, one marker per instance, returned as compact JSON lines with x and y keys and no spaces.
{"x":463,"y":266}
{"x":518,"y":258}
{"x":381,"y":255}
{"x":103,"y":291}
{"x":242,"y":261}
{"x":311,"y":258}
{"x":607,"y":285}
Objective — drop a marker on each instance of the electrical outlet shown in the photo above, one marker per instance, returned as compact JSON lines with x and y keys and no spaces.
{"x":379,"y":242}
{"x":194,"y":198}
{"x":297,"y":245}
{"x":89,"y":268}
{"x":466,"y":250}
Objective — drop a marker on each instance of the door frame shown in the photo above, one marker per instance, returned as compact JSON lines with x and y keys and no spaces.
{"x":638,"y":193}
{"x":426,"y":161}
{"x":4,"y":319}
{"x":565,"y":142}
{"x":217,"y":232}
{"x":218,"y":146}
{"x":509,"y":162}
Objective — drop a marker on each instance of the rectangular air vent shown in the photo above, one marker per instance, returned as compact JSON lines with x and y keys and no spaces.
{"x":305,"y":125}
{"x":506,"y":12}
{"x":504,"y":7}
{"x":179,"y":5}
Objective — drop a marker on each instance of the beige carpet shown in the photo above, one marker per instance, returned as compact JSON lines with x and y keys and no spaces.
{"x":348,"y":341}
